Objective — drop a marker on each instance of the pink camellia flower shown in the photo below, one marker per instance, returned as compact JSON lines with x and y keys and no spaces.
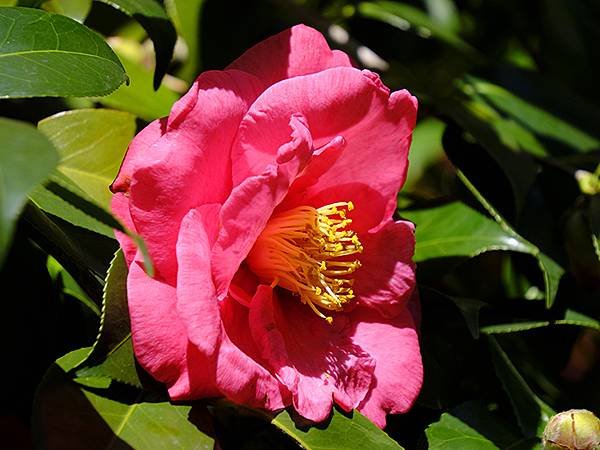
{"x":266,"y":201}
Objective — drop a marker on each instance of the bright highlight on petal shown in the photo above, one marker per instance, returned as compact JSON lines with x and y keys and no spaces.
{"x":305,"y":250}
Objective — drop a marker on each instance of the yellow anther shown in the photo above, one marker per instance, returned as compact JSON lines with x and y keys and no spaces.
{"x":300,"y":250}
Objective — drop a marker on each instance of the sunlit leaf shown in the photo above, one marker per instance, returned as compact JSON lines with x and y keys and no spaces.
{"x":91,"y":143}
{"x":186,"y":15}
{"x":46,"y":54}
{"x":450,"y":433}
{"x":341,"y":432}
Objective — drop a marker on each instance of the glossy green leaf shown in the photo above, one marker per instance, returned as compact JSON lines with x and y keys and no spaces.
{"x":532,"y":413}
{"x":139,"y":97}
{"x":450,"y":433}
{"x":112,"y":354}
{"x":186,"y":15}
{"x":341,"y":432}
{"x":68,"y":416}
{"x":26,"y":158}
{"x":571,"y":317}
{"x":152,"y":16}
{"x":46,"y":54}
{"x":91,"y":143}
{"x":455,"y":229}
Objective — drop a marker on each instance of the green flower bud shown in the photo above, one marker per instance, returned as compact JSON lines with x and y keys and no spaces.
{"x":576,"y":429}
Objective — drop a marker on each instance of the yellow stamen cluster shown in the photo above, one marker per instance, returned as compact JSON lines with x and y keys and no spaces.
{"x":305,"y":250}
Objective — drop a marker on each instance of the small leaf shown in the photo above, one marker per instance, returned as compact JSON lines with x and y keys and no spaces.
{"x":112,"y":355}
{"x":66,"y":415}
{"x":450,"y":433}
{"x":46,"y":54}
{"x":91,"y":143}
{"x":341,"y":432}
{"x":571,"y":317}
{"x":532,"y":413}
{"x":26,"y":158}
{"x":153,"y":18}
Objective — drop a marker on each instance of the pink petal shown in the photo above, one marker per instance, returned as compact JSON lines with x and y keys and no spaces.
{"x":196,"y":298}
{"x":136,"y":153}
{"x":343,"y":102}
{"x":160,"y":340}
{"x":394,"y":344}
{"x":241,"y":374}
{"x":318,"y":362}
{"x":299,"y":50}
{"x":386,"y":278}
{"x":190,"y":164}
{"x":251,"y":204}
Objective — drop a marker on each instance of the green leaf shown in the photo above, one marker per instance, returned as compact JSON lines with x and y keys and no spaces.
{"x":532,"y":413}
{"x":46,"y":54}
{"x":153,"y":18}
{"x":67,"y":415}
{"x":69,"y":285}
{"x":455,"y":229}
{"x":91,"y":143}
{"x":139,"y":97}
{"x":26,"y":158}
{"x":186,"y":15}
{"x":571,"y":317}
{"x":112,"y":355}
{"x":341,"y":432}
{"x":450,"y":433}
{"x":529,"y":118}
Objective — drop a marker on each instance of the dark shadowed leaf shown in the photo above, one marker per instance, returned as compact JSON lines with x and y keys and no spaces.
{"x":151,"y":15}
{"x":571,"y":317}
{"x":341,"y":432}
{"x":46,"y":54}
{"x":26,"y":158}
{"x":67,"y":416}
{"x":532,"y":413}
{"x":112,"y":354}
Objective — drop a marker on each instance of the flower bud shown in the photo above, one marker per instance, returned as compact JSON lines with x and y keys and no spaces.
{"x":576,"y":429}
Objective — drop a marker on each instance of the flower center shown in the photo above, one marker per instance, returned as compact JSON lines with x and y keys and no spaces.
{"x":305,"y":250}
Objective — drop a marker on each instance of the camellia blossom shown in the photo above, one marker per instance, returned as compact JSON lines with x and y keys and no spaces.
{"x":265,"y":199}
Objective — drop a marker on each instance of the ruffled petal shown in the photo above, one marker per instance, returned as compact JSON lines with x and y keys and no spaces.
{"x":318,"y":362}
{"x":386,"y":278}
{"x":299,"y":50}
{"x":398,"y":377}
{"x":345,"y":102}
{"x":190,"y":164}
{"x":240,"y":373}
{"x":160,"y":340}
{"x":196,"y":298}
{"x":251,"y":204}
